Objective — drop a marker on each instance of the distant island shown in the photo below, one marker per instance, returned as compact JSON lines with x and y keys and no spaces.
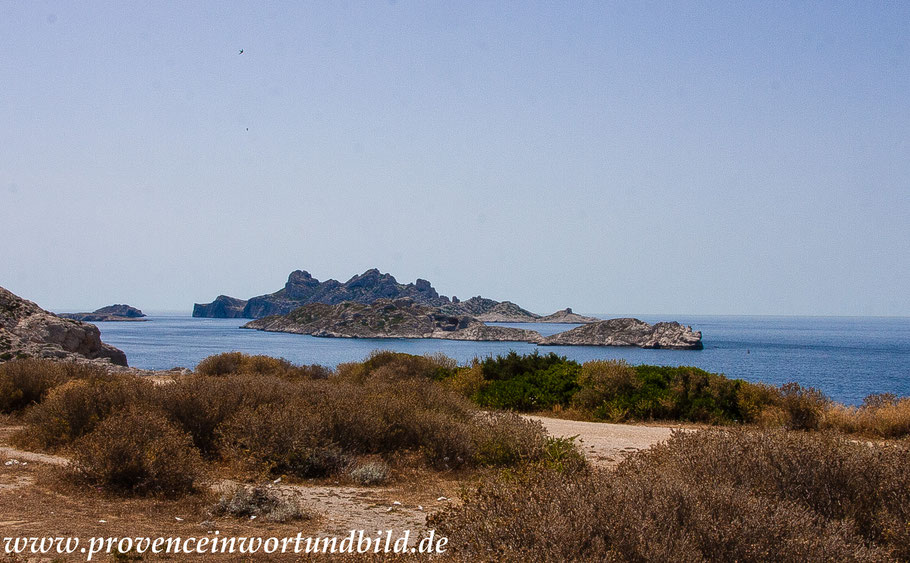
{"x":108,"y":314}
{"x":303,"y":289}
{"x":406,"y":318}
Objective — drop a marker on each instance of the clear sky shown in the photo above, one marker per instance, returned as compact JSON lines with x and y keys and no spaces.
{"x":633,"y":157}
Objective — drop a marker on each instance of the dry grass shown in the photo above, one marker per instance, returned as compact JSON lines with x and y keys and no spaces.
{"x":880,"y":416}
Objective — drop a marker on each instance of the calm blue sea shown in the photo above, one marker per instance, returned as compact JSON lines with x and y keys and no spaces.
{"x":846,"y":357}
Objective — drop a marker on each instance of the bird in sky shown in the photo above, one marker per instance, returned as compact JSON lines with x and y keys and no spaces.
{"x":241,"y":52}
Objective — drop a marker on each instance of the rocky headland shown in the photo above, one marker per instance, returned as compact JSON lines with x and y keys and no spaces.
{"x":386,"y":318}
{"x":110,"y":313}
{"x":628,"y":332}
{"x":27,"y":330}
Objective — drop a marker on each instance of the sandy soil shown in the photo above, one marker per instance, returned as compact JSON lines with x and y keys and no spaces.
{"x":606,"y":444}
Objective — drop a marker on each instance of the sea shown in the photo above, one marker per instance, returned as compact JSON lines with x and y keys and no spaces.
{"x":847,"y":358}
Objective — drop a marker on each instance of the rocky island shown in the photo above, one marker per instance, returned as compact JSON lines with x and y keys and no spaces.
{"x":27,"y":330}
{"x":405,"y":318}
{"x":302,"y":289}
{"x":106,"y":314}
{"x":629,"y":332}
{"x":387,"y":318}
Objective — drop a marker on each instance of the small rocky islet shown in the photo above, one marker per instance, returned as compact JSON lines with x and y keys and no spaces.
{"x":111,"y":313}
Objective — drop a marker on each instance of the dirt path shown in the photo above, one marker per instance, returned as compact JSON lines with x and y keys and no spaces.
{"x":606,"y":444}
{"x":16,"y":456}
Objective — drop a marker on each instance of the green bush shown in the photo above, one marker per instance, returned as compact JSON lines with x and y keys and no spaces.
{"x":532,"y":391}
{"x":138,"y":451}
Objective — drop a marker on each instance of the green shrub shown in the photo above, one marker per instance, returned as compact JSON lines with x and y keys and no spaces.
{"x":137,"y":451}
{"x":601,"y":380}
{"x":513,"y":365}
{"x":532,"y":391}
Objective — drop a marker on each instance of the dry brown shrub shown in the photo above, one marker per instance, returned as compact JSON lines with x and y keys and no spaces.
{"x":76,"y":407}
{"x":200,"y":404}
{"x":467,"y":381}
{"x":238,"y":363}
{"x":805,"y":406}
{"x":502,"y":439}
{"x":880,"y":416}
{"x":600,"y":380}
{"x":739,"y":495}
{"x":271,"y":504}
{"x":28,"y":381}
{"x":137,"y":451}
{"x":280,"y":438}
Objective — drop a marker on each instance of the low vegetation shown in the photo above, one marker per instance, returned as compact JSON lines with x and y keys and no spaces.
{"x":264,"y":417}
{"x":780,"y":476}
{"x":259,"y":501}
{"x":721,"y":495}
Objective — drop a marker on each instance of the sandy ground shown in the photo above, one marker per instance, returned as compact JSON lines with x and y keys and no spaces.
{"x":606,"y":444}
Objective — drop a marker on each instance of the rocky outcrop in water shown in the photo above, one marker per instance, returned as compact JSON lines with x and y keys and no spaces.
{"x":107,"y":314}
{"x":628,"y":332}
{"x":386,"y":318}
{"x":27,"y":330}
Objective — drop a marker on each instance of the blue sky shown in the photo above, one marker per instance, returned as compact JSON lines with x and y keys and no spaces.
{"x":685,"y":157}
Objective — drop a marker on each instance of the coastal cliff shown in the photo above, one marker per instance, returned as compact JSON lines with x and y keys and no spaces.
{"x":629,"y":332}
{"x":107,"y":314}
{"x":27,"y":330}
